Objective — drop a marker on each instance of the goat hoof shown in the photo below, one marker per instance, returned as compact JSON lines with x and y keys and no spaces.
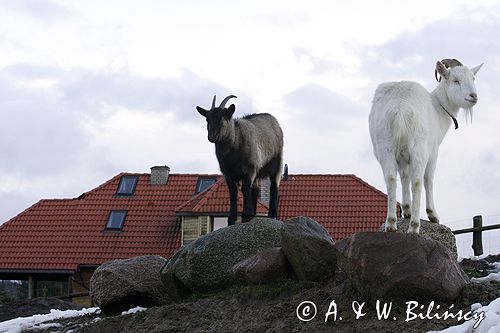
{"x":414,"y":227}
{"x":390,"y":224}
{"x":406,"y":211}
{"x":432,"y":216}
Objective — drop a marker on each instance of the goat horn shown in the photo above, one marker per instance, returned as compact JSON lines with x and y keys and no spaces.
{"x":213,"y":103}
{"x":223,"y":103}
{"x":448,"y":63}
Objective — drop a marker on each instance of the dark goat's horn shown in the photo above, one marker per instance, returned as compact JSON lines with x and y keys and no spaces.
{"x":223,"y":103}
{"x":448,"y":63}
{"x":213,"y":103}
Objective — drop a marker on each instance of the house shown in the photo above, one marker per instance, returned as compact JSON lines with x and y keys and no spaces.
{"x":57,"y":244}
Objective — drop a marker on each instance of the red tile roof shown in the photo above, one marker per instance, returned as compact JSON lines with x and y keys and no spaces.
{"x":63,"y":234}
{"x":343,"y":204}
{"x":215,"y":200}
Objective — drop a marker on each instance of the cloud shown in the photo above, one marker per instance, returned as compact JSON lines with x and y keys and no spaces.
{"x":318,"y":105}
{"x":413,"y":55}
{"x":43,"y":10}
{"x":178,"y":95}
{"x":319,"y":65}
{"x":57,"y":124}
{"x":37,"y":135}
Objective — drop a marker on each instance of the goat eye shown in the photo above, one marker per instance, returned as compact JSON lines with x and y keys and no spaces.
{"x":456,"y":81}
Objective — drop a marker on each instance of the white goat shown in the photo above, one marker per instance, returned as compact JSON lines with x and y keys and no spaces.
{"x":407,"y":125}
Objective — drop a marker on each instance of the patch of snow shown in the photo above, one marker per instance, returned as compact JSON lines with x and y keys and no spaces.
{"x":493,"y":276}
{"x":481,"y":257}
{"x":23,"y":323}
{"x":46,"y":326}
{"x":490,"y":323}
{"x":38,"y":322}
{"x":133,"y":310}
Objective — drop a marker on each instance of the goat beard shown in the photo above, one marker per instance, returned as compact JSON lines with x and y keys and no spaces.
{"x":468,"y":115}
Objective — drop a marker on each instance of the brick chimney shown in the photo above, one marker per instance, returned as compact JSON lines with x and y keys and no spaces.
{"x":159,"y":175}
{"x":265,"y":190}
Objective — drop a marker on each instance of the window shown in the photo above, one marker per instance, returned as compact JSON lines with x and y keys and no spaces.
{"x":116,"y":219}
{"x":193,"y":227}
{"x":127,"y":185}
{"x":219,"y":222}
{"x":204,"y":183}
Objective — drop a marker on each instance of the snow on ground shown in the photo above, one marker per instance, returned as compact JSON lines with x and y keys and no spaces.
{"x":133,"y":310}
{"x":489,"y":324}
{"x":491,"y":312}
{"x":481,"y":257}
{"x":37,"y":321}
{"x":493,"y":276}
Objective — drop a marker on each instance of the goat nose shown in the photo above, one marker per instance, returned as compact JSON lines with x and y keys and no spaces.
{"x":473,"y":97}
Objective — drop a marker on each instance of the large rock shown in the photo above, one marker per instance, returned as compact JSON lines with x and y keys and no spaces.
{"x":389,"y":265}
{"x":436,"y":231}
{"x":266,"y":266}
{"x":309,"y":248}
{"x":119,"y":285}
{"x":206,"y":264}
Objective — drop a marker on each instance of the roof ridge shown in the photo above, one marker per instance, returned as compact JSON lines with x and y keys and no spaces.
{"x":201,"y":196}
{"x":24,"y":212}
{"x":209,"y":193}
{"x":368,"y":185}
{"x":106,"y":183}
{"x":321,"y":174}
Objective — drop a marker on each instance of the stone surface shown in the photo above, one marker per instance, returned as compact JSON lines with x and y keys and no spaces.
{"x":266,"y":266}
{"x":436,"y":231}
{"x":390,"y":265}
{"x":206,"y":263}
{"x":309,"y":248}
{"x":119,"y":285}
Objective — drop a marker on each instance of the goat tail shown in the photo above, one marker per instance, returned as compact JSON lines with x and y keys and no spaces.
{"x":402,"y":123}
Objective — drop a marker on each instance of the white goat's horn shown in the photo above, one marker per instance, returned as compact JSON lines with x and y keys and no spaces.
{"x":223,"y":103}
{"x":451,"y":63}
{"x":448,"y":63}
{"x":213,"y":103}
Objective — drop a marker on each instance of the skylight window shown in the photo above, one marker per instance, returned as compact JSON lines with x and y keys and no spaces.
{"x":127,"y":185}
{"x":116,"y":219}
{"x":204,"y":183}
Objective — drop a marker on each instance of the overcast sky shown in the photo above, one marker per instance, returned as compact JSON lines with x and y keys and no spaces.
{"x":89,"y":89}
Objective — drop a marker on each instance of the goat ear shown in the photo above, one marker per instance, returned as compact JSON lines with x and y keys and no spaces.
{"x":202,"y":111}
{"x":476,"y":69}
{"x":230,"y":111}
{"x":441,"y":69}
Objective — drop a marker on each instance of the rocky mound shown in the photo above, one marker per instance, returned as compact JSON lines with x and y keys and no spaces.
{"x":29,"y":307}
{"x":265,"y":276}
{"x":272,"y":308}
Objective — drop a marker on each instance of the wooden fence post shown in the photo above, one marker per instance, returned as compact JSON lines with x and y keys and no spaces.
{"x":477,"y":241}
{"x":31,"y":287}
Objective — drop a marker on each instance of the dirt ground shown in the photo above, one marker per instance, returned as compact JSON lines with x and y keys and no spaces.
{"x":27,"y":308}
{"x":252,"y":310}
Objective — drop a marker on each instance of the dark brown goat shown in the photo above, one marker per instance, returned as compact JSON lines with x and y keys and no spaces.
{"x":247,"y":149}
